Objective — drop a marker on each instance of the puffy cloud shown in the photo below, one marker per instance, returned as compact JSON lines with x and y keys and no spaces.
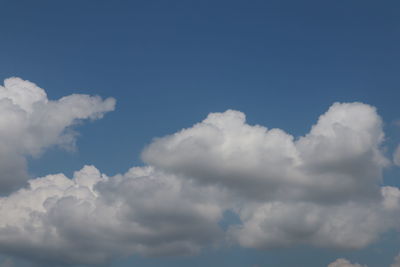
{"x":344,"y":263}
{"x":320,"y":189}
{"x":350,"y":225}
{"x":92,"y":218}
{"x":30,"y":123}
{"x":338,"y":160}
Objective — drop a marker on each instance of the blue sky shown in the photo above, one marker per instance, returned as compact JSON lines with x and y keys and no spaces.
{"x":169,"y":64}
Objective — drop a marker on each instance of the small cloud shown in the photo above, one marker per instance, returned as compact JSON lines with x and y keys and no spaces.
{"x":344,"y":263}
{"x":396,"y":123}
{"x":396,"y":262}
{"x":7,"y":263}
{"x":396,"y":156}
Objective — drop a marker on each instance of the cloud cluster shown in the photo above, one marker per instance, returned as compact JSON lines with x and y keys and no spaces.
{"x":322,"y":189}
{"x":30,"y":123}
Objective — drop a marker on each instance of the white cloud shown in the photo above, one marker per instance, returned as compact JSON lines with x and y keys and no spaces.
{"x":92,"y":218}
{"x":338,"y":160}
{"x":344,"y":263}
{"x":321,"y":189}
{"x":30,"y":123}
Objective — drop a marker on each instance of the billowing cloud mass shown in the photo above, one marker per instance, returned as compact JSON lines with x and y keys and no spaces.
{"x":29,"y":123}
{"x":92,"y":218}
{"x":338,"y":160}
{"x":322,"y":189}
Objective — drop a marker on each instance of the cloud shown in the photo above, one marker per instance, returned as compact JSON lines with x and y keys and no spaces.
{"x":30,"y":123}
{"x":344,"y":263}
{"x":93,"y":218}
{"x":338,"y":160}
{"x":322,"y":189}
{"x":396,"y":156}
{"x":350,"y":225}
{"x":396,"y":262}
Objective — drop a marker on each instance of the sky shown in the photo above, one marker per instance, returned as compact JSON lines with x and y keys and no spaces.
{"x":199,"y":133}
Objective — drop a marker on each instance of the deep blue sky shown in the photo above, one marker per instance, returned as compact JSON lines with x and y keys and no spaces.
{"x":170,"y":63}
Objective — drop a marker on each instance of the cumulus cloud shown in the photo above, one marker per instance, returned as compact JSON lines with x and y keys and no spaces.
{"x":92,"y":218}
{"x":344,"y":263}
{"x":322,"y":189}
{"x":339,"y":159}
{"x":30,"y":123}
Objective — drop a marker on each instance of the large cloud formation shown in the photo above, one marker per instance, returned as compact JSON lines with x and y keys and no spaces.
{"x":29,"y":123}
{"x":322,"y":189}
{"x":339,"y":159}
